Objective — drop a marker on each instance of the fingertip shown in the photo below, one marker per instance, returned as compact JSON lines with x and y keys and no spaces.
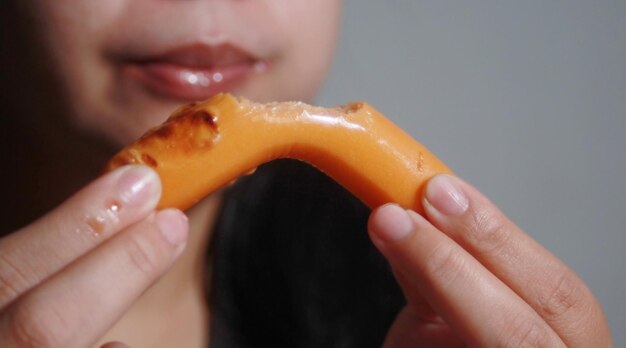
{"x":138,"y":185}
{"x":173,"y":225}
{"x":444,"y":195}
{"x":390,"y":223}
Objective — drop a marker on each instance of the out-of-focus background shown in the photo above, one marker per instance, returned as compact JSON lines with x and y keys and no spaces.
{"x":524,"y":99}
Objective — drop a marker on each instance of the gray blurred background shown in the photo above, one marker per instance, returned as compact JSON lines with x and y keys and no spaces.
{"x":524,"y":99}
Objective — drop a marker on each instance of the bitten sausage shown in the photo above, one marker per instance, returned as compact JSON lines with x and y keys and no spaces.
{"x":204,"y":146}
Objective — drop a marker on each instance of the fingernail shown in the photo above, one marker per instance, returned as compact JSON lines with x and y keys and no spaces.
{"x":392,"y":223}
{"x":173,"y":226}
{"x":444,"y":194}
{"x":139,"y":185}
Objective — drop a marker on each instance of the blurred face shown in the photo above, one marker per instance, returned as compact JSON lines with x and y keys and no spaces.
{"x":126,"y":64}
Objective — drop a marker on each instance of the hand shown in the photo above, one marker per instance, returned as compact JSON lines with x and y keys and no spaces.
{"x":471,"y":277}
{"x":67,"y":277}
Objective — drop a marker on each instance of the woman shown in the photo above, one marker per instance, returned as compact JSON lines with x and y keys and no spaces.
{"x":108,"y":267}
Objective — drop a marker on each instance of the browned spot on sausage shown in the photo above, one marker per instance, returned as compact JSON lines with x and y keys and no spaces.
{"x":121,"y":160}
{"x":191,"y":129}
{"x":352,"y":107}
{"x":165,"y":131}
{"x":149,"y":160}
{"x":183,"y":110}
{"x":205,"y":117}
{"x":420,"y":163}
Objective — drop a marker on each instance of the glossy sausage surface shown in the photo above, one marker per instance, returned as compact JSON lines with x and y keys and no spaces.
{"x":204,"y":146}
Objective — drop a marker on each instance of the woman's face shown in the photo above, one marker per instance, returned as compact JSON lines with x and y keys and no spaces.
{"x":126,"y":64}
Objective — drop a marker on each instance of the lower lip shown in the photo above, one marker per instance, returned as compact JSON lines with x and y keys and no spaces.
{"x":191,"y":83}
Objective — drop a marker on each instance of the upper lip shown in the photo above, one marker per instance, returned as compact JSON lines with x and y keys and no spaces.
{"x":199,"y":56}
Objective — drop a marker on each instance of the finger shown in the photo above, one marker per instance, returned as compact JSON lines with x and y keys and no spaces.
{"x":409,"y":330}
{"x":421,"y":308}
{"x":471,"y":300}
{"x":76,"y":306}
{"x":418,"y":325}
{"x":542,"y":280}
{"x":104,"y":207}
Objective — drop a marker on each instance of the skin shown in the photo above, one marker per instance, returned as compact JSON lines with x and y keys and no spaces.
{"x":86,"y":41}
{"x":471,"y":277}
{"x":469,"y":274}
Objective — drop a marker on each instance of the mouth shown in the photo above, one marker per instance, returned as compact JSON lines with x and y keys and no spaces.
{"x":193,"y":72}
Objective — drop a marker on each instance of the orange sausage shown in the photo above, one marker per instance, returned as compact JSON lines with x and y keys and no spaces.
{"x":204,"y":146}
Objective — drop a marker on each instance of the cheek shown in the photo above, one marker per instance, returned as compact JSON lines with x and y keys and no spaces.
{"x":74,"y":32}
{"x":313,"y":50}
{"x":314,"y":37}
{"x":307,"y":33}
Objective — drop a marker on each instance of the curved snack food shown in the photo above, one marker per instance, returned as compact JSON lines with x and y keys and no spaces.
{"x":204,"y":146}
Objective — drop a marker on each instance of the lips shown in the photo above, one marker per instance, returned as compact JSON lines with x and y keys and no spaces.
{"x":193,"y":72}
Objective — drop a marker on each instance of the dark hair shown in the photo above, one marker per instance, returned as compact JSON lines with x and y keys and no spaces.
{"x":292,"y":265}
